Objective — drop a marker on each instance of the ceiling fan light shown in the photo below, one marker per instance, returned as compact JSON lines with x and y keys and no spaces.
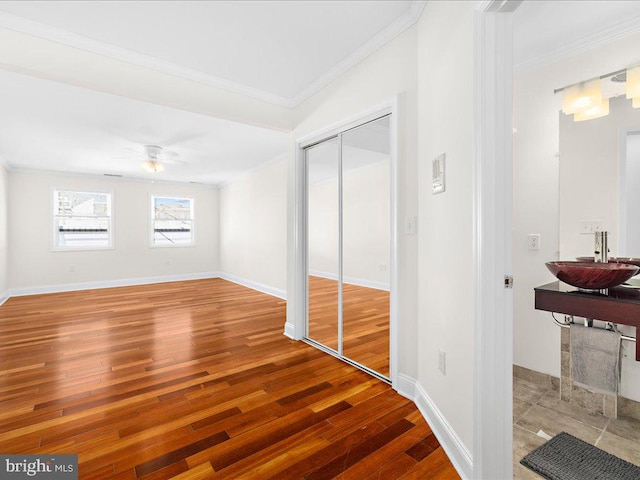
{"x":633,"y":82}
{"x":581,"y":97}
{"x":595,"y":111}
{"x":152,"y":166}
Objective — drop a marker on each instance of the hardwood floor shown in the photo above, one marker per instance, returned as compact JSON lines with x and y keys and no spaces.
{"x":196,"y":380}
{"x":365,"y":321}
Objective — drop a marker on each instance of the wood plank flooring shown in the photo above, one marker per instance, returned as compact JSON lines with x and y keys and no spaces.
{"x":195,"y":380}
{"x":365,"y":321}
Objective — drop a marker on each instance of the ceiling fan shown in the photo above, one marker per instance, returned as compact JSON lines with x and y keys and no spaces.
{"x":156,"y":157}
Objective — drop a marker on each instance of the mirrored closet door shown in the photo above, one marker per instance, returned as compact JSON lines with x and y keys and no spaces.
{"x":348,"y":194}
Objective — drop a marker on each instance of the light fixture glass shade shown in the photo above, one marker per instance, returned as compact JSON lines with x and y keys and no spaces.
{"x":152,"y":166}
{"x":581,"y":97}
{"x":595,"y":111}
{"x":633,"y":83}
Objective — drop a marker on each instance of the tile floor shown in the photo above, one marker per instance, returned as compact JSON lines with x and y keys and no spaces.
{"x":538,"y":407}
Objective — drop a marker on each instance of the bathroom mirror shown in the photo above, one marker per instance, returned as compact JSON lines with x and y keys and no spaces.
{"x":599,"y":177}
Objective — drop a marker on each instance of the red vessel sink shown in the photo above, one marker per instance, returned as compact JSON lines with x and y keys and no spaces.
{"x":630,"y":260}
{"x":592,"y":275}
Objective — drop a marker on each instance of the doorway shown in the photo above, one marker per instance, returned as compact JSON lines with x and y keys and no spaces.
{"x":349,"y":250}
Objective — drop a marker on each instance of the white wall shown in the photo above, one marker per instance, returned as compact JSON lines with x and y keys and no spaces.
{"x":33,"y":264}
{"x":445,"y":308}
{"x":536,"y":187}
{"x":253,"y":228}
{"x":4,"y":258}
{"x":390,"y":71}
{"x":366,"y":220}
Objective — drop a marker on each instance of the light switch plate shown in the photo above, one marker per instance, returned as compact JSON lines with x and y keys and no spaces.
{"x":589,"y":227}
{"x":438,"y":173}
{"x":411,"y":225}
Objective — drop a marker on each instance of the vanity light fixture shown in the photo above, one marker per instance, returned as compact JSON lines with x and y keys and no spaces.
{"x":595,"y":111}
{"x":582,"y":97}
{"x":633,"y":85}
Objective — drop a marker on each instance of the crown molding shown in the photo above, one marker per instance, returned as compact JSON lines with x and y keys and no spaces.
{"x":37,"y":29}
{"x":109,"y":178}
{"x":597,"y":39}
{"x":402,"y":23}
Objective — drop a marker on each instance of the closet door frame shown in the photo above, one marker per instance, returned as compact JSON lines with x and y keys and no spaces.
{"x":297,"y":306}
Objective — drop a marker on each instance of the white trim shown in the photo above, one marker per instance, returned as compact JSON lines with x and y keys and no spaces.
{"x":454,"y":447}
{"x":360,"y":282}
{"x":402,"y":23}
{"x":58,"y":35}
{"x":41,"y":30}
{"x":112,"y":177}
{"x":379,"y":110}
{"x":584,"y":44}
{"x":492,"y":241}
{"x":260,"y":287}
{"x":394,"y":229}
{"x":4,"y":296}
{"x":126,"y":282}
{"x":289,"y":331}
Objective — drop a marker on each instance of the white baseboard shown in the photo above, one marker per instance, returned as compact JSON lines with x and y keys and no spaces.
{"x":455,"y":449}
{"x":288,"y":330}
{"x":360,"y":282}
{"x":260,"y":287}
{"x":4,"y":296}
{"x":126,"y":282}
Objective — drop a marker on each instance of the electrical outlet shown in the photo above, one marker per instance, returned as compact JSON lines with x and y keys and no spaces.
{"x":534,"y":241}
{"x":442,"y":362}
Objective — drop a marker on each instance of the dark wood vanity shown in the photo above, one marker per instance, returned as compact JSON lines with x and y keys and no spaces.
{"x":617,"y":305}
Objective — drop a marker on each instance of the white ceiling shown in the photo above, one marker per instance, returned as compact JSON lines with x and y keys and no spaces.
{"x":546,"y":31}
{"x":46,"y":125}
{"x":280,"y":52}
{"x":276,"y":51}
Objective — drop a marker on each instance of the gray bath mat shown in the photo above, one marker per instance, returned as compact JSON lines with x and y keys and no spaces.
{"x":566,"y":457}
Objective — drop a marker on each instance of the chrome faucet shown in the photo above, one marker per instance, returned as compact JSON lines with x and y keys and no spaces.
{"x":601,"y":250}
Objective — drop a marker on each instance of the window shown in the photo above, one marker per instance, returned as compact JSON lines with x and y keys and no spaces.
{"x":82,"y":220}
{"x":171,"y":221}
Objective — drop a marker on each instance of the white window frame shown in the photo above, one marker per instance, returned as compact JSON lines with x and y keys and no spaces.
{"x":192,"y":201}
{"x":55,"y":246}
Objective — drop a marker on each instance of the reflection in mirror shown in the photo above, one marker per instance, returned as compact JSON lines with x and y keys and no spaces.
{"x":600,"y":182}
{"x":323,"y":242}
{"x":366,"y":206}
{"x":629,"y":194}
